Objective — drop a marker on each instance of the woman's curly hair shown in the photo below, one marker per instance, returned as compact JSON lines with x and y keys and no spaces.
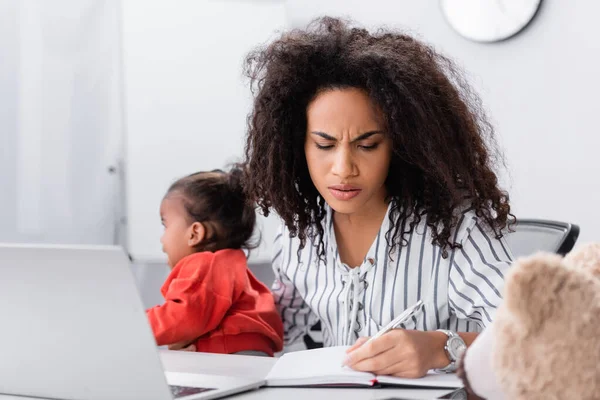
{"x":444,"y":151}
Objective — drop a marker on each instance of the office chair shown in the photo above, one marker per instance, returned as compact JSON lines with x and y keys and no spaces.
{"x":532,"y":235}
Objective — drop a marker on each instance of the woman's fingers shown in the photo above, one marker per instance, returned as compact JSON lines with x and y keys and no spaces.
{"x":393,"y":369}
{"x":406,"y":368}
{"x":395,"y":353}
{"x":392,"y":362}
{"x":378,"y":362}
{"x":368,"y":351}
{"x":359,"y":342}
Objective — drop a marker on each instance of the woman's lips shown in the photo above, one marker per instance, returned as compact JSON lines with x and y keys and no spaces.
{"x":344,"y":192}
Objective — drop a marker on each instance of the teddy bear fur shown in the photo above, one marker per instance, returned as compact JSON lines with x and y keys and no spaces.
{"x":547,"y":331}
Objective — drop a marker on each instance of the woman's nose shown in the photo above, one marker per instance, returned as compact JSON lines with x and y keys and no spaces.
{"x":343,"y":164}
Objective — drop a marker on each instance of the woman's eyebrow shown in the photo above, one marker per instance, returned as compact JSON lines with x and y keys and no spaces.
{"x":366,"y":135}
{"x":323,"y":135}
{"x":359,"y":138}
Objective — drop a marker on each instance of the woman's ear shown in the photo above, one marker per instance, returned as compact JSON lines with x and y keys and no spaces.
{"x":197,"y":234}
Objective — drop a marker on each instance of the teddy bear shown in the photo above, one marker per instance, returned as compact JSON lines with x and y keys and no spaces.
{"x":544,"y":342}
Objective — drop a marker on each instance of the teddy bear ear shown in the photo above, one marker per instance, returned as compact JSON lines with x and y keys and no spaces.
{"x":586,"y":257}
{"x":530,"y":286}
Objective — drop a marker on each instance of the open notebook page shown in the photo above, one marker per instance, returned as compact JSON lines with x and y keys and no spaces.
{"x":324,"y":367}
{"x":316,"y":367}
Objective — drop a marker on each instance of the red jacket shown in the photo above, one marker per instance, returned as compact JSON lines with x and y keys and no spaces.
{"x":214,"y":297}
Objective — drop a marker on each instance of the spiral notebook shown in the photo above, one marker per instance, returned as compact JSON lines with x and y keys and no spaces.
{"x":323,"y":367}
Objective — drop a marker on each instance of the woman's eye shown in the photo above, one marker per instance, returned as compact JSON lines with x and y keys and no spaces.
{"x":369,"y":147}
{"x":324,"y":147}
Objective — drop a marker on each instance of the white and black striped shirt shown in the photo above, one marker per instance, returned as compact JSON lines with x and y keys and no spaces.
{"x":460,"y":292}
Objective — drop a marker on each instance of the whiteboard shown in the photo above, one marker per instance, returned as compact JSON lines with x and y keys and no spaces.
{"x":186,"y":101}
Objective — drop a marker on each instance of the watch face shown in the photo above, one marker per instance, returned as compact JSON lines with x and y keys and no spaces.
{"x":456,"y":347}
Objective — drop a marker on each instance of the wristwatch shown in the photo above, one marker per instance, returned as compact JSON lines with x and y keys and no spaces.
{"x":454,"y":348}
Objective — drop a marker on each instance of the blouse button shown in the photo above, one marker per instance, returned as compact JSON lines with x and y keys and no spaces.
{"x":371,"y":261}
{"x":360,"y":306}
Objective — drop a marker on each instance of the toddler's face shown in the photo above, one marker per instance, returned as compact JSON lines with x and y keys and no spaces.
{"x":177,"y":229}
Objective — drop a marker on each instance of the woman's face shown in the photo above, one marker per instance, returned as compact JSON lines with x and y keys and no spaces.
{"x":347,"y":151}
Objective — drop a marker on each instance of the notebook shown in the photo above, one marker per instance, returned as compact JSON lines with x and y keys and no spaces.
{"x":323,"y":367}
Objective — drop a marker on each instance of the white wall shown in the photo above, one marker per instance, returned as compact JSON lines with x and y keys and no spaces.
{"x":540,"y":87}
{"x":186,"y":100}
{"x":60,"y":121}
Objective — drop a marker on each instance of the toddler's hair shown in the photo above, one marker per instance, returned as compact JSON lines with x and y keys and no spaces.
{"x":217,"y":200}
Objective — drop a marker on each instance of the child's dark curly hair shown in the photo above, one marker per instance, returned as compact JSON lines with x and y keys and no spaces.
{"x":444,"y":151}
{"x":217,"y":199}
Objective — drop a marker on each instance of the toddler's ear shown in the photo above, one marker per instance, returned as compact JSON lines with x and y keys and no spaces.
{"x":197,"y":232}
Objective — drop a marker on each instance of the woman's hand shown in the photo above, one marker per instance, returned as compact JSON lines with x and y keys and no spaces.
{"x":400,"y":352}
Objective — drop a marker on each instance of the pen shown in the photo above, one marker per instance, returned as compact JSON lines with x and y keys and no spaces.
{"x":400,"y":319}
{"x":403,"y":317}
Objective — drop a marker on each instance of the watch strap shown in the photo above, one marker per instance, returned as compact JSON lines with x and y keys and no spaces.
{"x":453,"y":361}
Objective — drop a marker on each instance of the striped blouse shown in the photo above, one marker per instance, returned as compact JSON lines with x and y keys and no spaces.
{"x":460,"y":292}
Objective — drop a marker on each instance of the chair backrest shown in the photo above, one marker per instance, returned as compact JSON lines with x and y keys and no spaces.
{"x":531,"y":235}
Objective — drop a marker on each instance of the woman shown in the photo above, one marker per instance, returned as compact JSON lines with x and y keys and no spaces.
{"x":380,"y":162}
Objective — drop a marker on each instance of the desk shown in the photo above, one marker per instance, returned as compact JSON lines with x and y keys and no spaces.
{"x":259,"y":367}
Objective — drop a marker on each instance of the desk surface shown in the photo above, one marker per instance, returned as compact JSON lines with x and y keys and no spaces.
{"x":258,"y":367}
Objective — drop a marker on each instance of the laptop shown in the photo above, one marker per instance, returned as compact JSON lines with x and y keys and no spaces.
{"x":72,"y":326}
